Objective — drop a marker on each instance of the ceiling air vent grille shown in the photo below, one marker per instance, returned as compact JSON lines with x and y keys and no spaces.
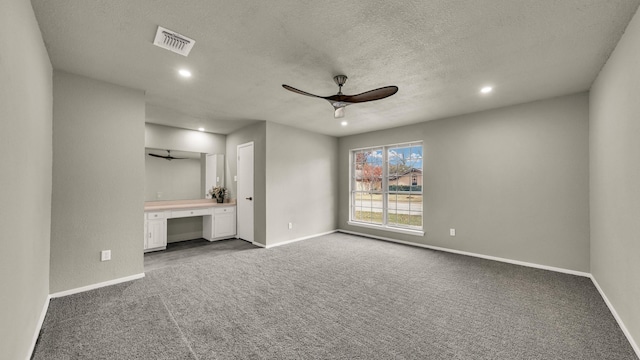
{"x":173,"y":41}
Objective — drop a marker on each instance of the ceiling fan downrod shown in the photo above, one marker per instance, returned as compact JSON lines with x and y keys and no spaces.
{"x":340,"y":80}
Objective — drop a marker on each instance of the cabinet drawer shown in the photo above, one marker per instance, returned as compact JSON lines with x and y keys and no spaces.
{"x":156,"y":215}
{"x":224,"y":210}
{"x":188,"y":213}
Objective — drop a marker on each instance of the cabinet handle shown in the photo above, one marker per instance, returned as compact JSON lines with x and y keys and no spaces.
{"x":149,"y":235}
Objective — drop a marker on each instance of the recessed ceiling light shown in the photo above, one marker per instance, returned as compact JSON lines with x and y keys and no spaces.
{"x":344,"y":123}
{"x":184,"y":73}
{"x":486,"y":89}
{"x":200,"y":129}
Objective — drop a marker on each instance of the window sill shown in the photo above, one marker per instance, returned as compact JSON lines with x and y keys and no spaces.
{"x":387,"y":228}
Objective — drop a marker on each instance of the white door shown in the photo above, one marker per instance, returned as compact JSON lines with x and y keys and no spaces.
{"x":245,"y":191}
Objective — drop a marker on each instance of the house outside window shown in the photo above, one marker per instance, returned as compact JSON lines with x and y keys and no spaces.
{"x":386,"y":187}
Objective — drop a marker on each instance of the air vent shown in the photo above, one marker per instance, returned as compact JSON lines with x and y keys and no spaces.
{"x":173,"y":41}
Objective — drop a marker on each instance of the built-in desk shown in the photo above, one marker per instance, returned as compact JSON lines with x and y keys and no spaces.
{"x":218,"y":220}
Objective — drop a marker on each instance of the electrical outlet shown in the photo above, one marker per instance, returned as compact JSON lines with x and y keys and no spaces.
{"x":159,"y":195}
{"x":452,"y":232}
{"x":105,"y":255}
{"x":290,"y":226}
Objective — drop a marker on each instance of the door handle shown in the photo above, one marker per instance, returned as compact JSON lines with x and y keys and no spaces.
{"x":249,"y":198}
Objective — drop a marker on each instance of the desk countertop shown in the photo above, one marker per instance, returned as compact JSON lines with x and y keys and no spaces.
{"x":184,"y":204}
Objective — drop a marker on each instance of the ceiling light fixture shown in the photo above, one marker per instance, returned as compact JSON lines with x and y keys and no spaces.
{"x":200,"y":129}
{"x":344,"y":123}
{"x":184,"y":73}
{"x":486,"y":89}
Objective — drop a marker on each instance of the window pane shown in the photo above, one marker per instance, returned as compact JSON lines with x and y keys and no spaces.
{"x":399,"y":202}
{"x":405,"y":168}
{"x":415,"y":219}
{"x":392,"y":217}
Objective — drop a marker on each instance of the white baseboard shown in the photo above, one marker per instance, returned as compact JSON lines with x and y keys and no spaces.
{"x":488,"y":257}
{"x":626,"y":332}
{"x":297,"y":239}
{"x":258,"y":244}
{"x":45,"y":308}
{"x":96,"y":286}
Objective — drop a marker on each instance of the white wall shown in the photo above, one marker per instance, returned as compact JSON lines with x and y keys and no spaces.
{"x":25,"y":175}
{"x":513,"y":182}
{"x":301,"y":182}
{"x":615,"y":178}
{"x":98,"y":181}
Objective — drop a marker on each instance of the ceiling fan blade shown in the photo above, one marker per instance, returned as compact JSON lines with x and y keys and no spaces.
{"x":339,"y":113}
{"x":160,"y":156}
{"x":371,"y":95}
{"x":300,"y":91}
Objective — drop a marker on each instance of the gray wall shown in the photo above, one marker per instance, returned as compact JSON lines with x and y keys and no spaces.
{"x":615,"y":178}
{"x":513,"y":182}
{"x":98,"y":181}
{"x":258,"y":134}
{"x":166,"y":137}
{"x":301,"y":182}
{"x":25,"y":175}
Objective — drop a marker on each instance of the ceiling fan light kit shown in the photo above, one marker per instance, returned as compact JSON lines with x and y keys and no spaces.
{"x":339,"y":101}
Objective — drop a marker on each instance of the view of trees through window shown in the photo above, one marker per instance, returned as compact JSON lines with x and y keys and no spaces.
{"x":386,"y":185}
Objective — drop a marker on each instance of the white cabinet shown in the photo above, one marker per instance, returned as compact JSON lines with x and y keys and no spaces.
{"x":218,"y":223}
{"x":156,"y":235}
{"x":155,"y":229}
{"x":224,"y":222}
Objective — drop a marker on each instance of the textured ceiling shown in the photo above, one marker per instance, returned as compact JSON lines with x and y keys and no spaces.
{"x":439,"y":53}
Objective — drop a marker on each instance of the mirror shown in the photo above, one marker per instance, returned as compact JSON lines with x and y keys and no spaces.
{"x":181,"y":175}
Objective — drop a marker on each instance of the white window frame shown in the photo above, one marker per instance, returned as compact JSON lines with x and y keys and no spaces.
{"x":384,"y":191}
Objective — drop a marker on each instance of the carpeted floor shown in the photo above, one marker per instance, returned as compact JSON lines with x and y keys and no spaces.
{"x":336,"y":297}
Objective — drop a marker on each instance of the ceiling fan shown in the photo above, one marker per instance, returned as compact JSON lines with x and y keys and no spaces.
{"x":339,"y":101}
{"x":168,"y":157}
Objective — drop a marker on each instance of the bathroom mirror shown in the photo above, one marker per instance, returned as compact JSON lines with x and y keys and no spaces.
{"x":181,"y":175}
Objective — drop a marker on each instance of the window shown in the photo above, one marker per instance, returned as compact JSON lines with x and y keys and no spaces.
{"x":386,"y":187}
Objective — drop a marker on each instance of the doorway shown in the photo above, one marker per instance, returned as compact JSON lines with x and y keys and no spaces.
{"x":244,"y":186}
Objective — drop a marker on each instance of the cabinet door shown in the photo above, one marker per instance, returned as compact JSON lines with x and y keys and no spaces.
{"x":225,"y":224}
{"x":156,"y":234}
{"x":146,"y":233}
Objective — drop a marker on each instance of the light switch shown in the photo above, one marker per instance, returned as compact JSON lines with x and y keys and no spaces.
{"x":452,"y":232}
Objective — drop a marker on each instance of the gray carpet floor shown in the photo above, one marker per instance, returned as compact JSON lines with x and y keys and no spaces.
{"x":336,"y":297}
